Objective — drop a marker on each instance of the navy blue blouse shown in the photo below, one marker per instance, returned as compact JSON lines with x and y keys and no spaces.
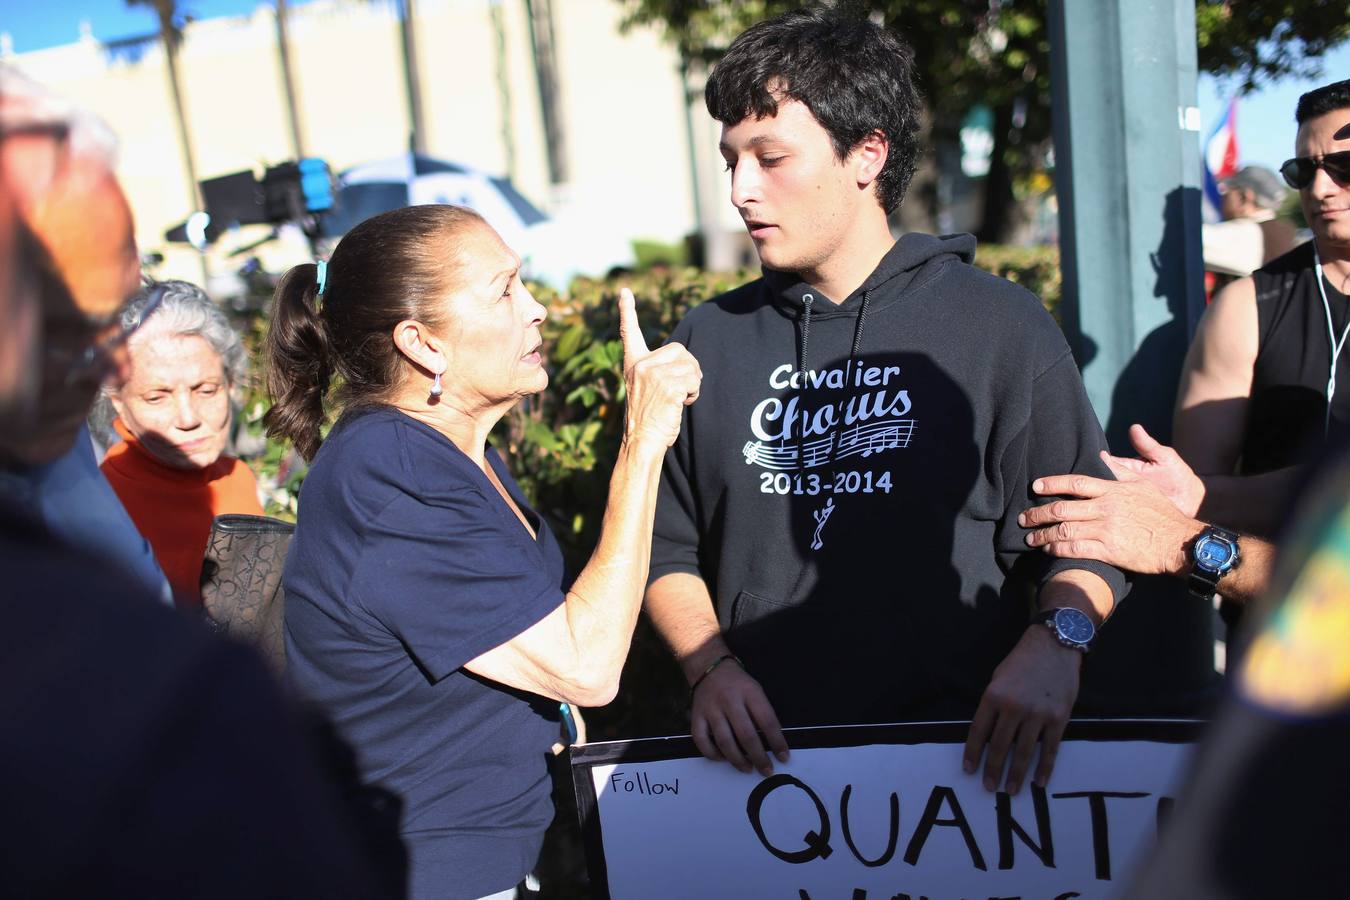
{"x":406,"y":564}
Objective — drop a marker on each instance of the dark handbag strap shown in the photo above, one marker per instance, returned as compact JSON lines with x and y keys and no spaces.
{"x":237,"y":523}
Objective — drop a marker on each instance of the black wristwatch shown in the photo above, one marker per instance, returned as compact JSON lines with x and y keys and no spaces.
{"x":1214,"y":554}
{"x":1072,"y":627}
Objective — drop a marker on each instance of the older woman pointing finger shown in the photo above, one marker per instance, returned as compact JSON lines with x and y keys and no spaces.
{"x":426,"y":610}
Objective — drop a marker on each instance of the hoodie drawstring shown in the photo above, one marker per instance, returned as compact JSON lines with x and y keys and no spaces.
{"x":807,"y":300}
{"x":848,"y":380}
{"x":823,"y":515}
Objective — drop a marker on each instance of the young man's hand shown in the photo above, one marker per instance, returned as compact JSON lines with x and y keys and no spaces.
{"x":1032,"y":692}
{"x":729,"y":711}
{"x":1027,"y":703}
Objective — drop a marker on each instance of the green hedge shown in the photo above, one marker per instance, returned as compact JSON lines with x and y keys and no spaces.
{"x":1034,"y":268}
{"x":561,"y":444}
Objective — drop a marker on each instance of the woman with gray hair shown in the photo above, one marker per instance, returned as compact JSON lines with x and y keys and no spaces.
{"x":174,"y":414}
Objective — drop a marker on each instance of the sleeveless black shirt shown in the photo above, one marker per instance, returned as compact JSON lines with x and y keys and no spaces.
{"x":1286,"y":415}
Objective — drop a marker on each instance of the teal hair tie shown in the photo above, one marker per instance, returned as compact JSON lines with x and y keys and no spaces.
{"x":322,"y":276}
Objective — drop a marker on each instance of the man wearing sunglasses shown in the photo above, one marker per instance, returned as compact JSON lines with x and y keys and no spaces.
{"x":1258,"y":395}
{"x":1258,"y":398}
{"x":1258,"y":402}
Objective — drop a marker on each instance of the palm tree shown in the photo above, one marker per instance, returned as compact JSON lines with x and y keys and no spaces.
{"x":540,"y":15}
{"x":503,"y":86}
{"x":288,"y":81}
{"x":408,"y":27}
{"x":171,"y":35}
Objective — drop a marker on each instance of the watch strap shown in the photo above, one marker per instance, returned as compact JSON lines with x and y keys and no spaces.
{"x":1201,"y":584}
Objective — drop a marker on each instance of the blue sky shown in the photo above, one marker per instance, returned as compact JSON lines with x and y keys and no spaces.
{"x":34,"y":24}
{"x":1265,"y":119}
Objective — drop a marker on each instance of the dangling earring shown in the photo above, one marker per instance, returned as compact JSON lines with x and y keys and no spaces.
{"x":436,"y":386}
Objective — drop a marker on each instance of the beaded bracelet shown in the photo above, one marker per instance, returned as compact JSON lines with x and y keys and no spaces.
{"x":708,"y":671}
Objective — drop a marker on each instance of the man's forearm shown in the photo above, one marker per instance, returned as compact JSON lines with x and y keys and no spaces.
{"x":730,"y":716}
{"x":1250,"y":579}
{"x":1249,"y":503}
{"x":681,"y":611}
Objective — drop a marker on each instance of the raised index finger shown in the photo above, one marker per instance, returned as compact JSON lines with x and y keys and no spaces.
{"x":630,"y":332}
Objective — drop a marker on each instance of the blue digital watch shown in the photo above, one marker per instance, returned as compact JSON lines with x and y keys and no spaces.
{"x":1214,"y":554}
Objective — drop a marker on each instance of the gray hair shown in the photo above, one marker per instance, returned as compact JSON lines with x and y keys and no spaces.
{"x":185,"y":310}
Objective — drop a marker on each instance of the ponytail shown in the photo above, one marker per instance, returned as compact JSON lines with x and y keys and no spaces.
{"x":299,"y":365}
{"x":391,"y":267}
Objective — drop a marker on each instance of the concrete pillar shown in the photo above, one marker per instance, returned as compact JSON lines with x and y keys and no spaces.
{"x":1127,"y":172}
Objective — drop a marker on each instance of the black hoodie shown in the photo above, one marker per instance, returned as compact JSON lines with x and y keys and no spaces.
{"x":849,"y":482}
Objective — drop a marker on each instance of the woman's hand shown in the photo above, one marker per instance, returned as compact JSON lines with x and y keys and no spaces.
{"x":660,"y":382}
{"x":576,"y":653}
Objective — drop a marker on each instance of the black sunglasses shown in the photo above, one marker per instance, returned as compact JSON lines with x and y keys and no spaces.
{"x":1299,"y":172}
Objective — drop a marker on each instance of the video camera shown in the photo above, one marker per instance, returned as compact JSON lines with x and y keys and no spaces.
{"x":297,"y":191}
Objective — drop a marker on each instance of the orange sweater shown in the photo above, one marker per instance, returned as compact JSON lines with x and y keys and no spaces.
{"x":173,"y":508}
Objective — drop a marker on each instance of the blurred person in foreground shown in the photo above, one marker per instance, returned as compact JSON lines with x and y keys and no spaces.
{"x":836,"y":539}
{"x":20,"y":306}
{"x":174,"y":410}
{"x":48,"y":468}
{"x":1258,"y":400}
{"x":426,"y":610}
{"x":1251,"y":234}
{"x":142,"y":756}
{"x":1263,"y":812}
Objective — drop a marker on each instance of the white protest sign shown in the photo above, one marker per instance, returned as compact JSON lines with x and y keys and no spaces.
{"x":890,"y":819}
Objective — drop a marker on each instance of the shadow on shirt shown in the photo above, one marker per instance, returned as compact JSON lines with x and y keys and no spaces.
{"x":892,"y":604}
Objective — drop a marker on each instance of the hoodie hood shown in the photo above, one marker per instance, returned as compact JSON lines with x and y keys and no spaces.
{"x":911,"y":262}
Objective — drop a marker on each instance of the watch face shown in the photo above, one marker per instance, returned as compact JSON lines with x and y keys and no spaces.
{"x":1074,"y":625}
{"x":1213,"y":554}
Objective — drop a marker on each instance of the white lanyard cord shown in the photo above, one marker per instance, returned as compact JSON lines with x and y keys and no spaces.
{"x":1336,"y":346}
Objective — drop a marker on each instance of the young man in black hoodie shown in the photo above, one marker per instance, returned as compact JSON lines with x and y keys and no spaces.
{"x":836,"y":536}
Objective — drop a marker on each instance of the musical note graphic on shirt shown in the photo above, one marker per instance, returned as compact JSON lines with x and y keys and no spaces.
{"x":876,"y":437}
{"x":865,"y":439}
{"x":817,"y":453}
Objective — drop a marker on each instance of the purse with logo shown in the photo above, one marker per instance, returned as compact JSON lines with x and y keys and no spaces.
{"x":241,"y":581}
